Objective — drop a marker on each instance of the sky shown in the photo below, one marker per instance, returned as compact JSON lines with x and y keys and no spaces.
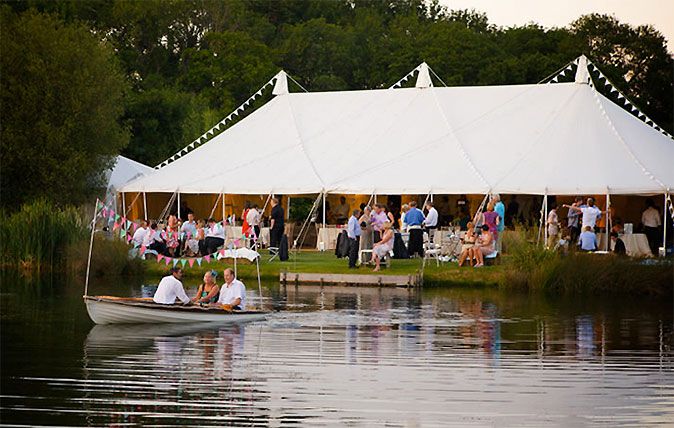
{"x":560,"y":13}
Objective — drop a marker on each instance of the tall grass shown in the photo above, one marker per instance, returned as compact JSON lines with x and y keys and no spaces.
{"x":44,"y":238}
{"x":527,"y":266}
{"x":37,"y":237}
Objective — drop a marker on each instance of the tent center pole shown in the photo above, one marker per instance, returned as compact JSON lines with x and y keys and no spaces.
{"x":323,"y":209}
{"x":145,"y":216}
{"x":223,"y":209}
{"x":607,"y":232}
{"x":665,"y":221}
{"x":124,"y":204}
{"x":545,"y":219}
{"x":288,"y":210}
{"x":179,"y":205}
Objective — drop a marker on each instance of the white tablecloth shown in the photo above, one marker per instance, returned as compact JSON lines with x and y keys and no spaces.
{"x":236,"y":232}
{"x":636,"y":244}
{"x":328,"y":235}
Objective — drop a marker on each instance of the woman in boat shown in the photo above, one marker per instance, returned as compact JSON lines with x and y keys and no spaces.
{"x":208,"y":291}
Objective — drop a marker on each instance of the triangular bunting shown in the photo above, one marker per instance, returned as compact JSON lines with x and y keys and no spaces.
{"x":207,"y":258}
{"x":183,"y":262}
{"x":191,"y":262}
{"x":175,"y":262}
{"x":199,"y":261}
{"x":159,"y":257}
{"x":167,"y":260}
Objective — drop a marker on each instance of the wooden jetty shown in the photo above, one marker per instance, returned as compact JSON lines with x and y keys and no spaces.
{"x":411,"y":280}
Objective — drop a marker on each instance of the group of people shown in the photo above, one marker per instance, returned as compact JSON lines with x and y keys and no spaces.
{"x":194,"y":238}
{"x":485,"y":240}
{"x":372,"y":228}
{"x":231,"y":295}
{"x":189,"y":238}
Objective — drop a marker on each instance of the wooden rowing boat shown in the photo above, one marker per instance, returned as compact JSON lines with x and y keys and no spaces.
{"x":131,"y":310}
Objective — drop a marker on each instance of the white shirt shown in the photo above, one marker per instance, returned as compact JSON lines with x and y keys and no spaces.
{"x":151,"y":236}
{"x":651,"y":218}
{"x":139,"y":236}
{"x":590,"y":215}
{"x":253,"y":217}
{"x":431,"y":217}
{"x":168,"y":290}
{"x":189,"y":228}
{"x":216,"y":231}
{"x":231,"y":292}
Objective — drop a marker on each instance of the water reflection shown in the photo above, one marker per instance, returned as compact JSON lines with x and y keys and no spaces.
{"x":356,"y":356}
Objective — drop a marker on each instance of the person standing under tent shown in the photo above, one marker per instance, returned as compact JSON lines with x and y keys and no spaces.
{"x":277,"y":223}
{"x":366,"y":236}
{"x":414,"y":219}
{"x":431,"y":220}
{"x":403,"y":223}
{"x":342,"y":211}
{"x":253,"y":220}
{"x":650,"y":219}
{"x":491,"y":219}
{"x":353,"y":232}
{"x":552,"y":224}
{"x":170,"y":288}
{"x":500,"y":209}
{"x":590,"y":213}
{"x":573,"y":220}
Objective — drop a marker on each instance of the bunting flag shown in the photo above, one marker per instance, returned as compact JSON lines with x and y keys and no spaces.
{"x":191,"y":262}
{"x":117,"y":217}
{"x":175,"y":262}
{"x":183,"y":262}
{"x":211,"y":131}
{"x":207,"y":258}
{"x":115,"y":226}
{"x":159,"y":257}
{"x":142,"y":249}
{"x":199,"y":261}
{"x":167,"y":260}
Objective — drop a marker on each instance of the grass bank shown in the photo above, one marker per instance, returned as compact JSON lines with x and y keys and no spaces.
{"x":526,"y":268}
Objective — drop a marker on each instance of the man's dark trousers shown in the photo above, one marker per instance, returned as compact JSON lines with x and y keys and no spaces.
{"x":353,"y":251}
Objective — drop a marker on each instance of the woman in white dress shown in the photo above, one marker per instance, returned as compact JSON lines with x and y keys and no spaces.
{"x":385,"y":245}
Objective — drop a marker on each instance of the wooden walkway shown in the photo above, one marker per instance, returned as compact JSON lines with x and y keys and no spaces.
{"x":413,"y":280}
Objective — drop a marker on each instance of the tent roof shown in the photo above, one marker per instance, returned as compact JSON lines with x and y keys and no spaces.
{"x":563,"y":138}
{"x":124,"y":171}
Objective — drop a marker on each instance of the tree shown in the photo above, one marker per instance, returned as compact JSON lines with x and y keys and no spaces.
{"x":62,"y":94}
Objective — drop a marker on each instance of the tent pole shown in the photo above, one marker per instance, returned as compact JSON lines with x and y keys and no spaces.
{"x":545,"y":220}
{"x":124,"y":204}
{"x":607,"y":232}
{"x":223,"y":209}
{"x":179,"y":204}
{"x":145,"y":216}
{"x":91,"y":246}
{"x":288,"y":210}
{"x":375,"y":199}
{"x":324,"y":210}
{"x":665,"y":220}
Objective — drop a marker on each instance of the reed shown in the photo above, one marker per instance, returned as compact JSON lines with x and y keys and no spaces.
{"x":37,"y":237}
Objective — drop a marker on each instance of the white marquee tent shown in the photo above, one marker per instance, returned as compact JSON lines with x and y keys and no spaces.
{"x":557,"y":139}
{"x":124,"y":171}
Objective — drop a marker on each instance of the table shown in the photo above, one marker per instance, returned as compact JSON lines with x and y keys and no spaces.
{"x":636,"y":244}
{"x":236,"y":232}
{"x":328,"y":235}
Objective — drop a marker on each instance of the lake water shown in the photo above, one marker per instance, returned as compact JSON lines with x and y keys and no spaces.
{"x":342,"y":356}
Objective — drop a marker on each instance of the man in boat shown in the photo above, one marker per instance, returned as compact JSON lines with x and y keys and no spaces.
{"x":170,"y":288}
{"x":233,"y":292}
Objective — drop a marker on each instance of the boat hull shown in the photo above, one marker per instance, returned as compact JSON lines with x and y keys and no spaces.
{"x":106,"y":311}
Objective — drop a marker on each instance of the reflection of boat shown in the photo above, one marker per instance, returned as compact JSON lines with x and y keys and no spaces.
{"x":129,"y":310}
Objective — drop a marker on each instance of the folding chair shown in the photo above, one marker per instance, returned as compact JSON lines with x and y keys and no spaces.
{"x":274,"y":252}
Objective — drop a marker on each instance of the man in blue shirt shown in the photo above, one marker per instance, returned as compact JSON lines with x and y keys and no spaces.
{"x":414,"y":219}
{"x":587,"y":240}
{"x":353,"y":232}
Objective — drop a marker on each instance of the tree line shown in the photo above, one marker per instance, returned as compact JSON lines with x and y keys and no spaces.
{"x":83,"y":81}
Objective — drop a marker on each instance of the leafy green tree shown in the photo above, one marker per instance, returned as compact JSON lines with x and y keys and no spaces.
{"x":62,"y":94}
